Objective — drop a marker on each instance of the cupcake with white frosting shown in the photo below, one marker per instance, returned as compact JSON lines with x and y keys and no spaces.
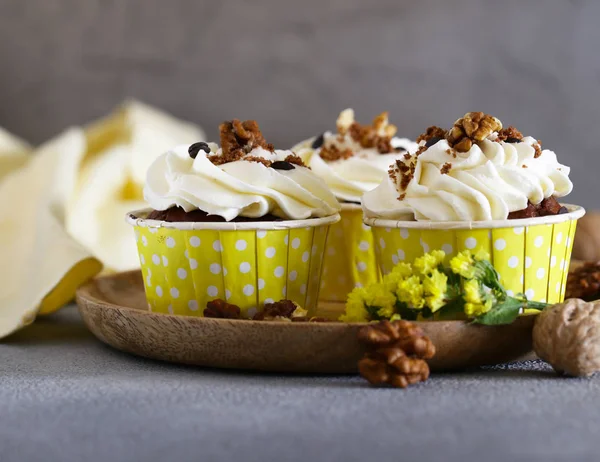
{"x":479,"y":186}
{"x":244,"y":223}
{"x":353,"y":160}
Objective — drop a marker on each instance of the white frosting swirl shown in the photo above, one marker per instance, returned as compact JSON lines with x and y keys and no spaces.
{"x":240,"y":188}
{"x":488,"y":182}
{"x":350,"y":178}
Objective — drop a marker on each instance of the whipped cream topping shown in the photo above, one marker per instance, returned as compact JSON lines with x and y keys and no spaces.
{"x":362,"y":170}
{"x":487,"y":182}
{"x":240,"y":188}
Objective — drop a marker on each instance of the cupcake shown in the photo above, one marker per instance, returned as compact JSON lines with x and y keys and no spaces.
{"x":352,"y":161}
{"x":244,"y":223}
{"x":479,"y":186}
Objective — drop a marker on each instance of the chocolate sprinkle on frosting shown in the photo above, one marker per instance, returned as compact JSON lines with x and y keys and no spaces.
{"x":431,"y":141}
{"x":318,"y":142}
{"x":282,"y":165}
{"x":195,"y":148}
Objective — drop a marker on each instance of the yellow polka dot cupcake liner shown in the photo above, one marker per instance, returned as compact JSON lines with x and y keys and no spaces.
{"x":186,"y":265}
{"x":531,"y":255}
{"x":350,"y":258}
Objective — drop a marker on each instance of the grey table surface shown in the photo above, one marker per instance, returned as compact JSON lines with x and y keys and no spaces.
{"x":65,"y":397}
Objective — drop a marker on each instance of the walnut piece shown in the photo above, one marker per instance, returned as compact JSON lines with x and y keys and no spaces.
{"x":219,"y":308}
{"x":383,"y":127}
{"x":283,"y":310}
{"x":332,"y":152}
{"x":378,"y":135}
{"x":511,"y":134}
{"x":396,"y":353}
{"x":567,"y":336}
{"x":345,"y":121}
{"x":584,"y":282}
{"x":473,"y":126}
{"x":432,"y":132}
{"x":237,"y":139}
{"x":478,"y":126}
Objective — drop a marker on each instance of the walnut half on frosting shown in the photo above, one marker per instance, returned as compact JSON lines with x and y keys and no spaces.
{"x":473,"y":126}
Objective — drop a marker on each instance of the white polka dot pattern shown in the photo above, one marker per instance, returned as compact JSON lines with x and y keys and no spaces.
{"x":183,"y":270}
{"x":530,"y":258}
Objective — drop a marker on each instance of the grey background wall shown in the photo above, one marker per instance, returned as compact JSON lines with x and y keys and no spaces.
{"x":294,"y":65}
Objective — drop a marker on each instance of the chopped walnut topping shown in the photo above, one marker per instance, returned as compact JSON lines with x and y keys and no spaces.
{"x":538,"y":149}
{"x":238,"y":139}
{"x":377,"y":136}
{"x":344,"y":121}
{"x":474,"y":126}
{"x":432,"y":132}
{"x":478,"y":126}
{"x":407,"y":156}
{"x":510,"y":133}
{"x":295,"y":159}
{"x":420,"y":151}
{"x":383,"y":127}
{"x":445,"y":168}
{"x":405,"y":170}
{"x":451,"y":152}
{"x":463,"y":145}
{"x":332,"y":152}
{"x":260,"y":160}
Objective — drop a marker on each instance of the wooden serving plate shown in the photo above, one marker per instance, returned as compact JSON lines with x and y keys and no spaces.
{"x":114,"y":308}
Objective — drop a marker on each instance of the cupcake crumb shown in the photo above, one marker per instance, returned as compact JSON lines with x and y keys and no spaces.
{"x":538,"y":149}
{"x":402,"y":173}
{"x":376,"y":136}
{"x":260,"y":160}
{"x":509,"y":135}
{"x":238,"y":139}
{"x":432,"y":132}
{"x":332,"y":153}
{"x":296,"y":160}
{"x":446,"y":168}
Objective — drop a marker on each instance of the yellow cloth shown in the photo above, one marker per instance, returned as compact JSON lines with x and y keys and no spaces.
{"x":63,"y":212}
{"x":14,"y":153}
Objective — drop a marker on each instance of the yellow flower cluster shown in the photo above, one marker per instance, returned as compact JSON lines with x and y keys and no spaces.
{"x":467,"y":282}
{"x":475,"y":305}
{"x":416,"y":286}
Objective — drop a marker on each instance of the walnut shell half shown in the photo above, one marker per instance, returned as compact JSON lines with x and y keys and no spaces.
{"x":586,"y":246}
{"x":567,"y":336}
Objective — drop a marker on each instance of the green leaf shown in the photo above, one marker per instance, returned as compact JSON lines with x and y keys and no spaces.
{"x":536,"y":305}
{"x":490,"y":276}
{"x":502,"y":313}
{"x":373,"y":313}
{"x":454,"y":287}
{"x":403,"y":310}
{"x":454,"y":309}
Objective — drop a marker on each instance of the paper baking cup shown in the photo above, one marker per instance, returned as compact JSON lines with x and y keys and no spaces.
{"x":531,"y":255}
{"x":350,"y":258}
{"x":186,"y":265}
